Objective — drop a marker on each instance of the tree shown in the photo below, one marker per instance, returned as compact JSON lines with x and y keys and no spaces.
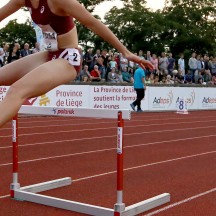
{"x":190,"y":25}
{"x":15,"y":32}
{"x":137,"y":26}
{"x":86,"y":37}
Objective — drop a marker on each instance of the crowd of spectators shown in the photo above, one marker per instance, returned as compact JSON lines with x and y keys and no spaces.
{"x":8,"y":55}
{"x":112,"y":67}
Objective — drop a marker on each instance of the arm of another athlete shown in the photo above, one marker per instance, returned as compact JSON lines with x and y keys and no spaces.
{"x":11,"y":7}
{"x":76,"y":10}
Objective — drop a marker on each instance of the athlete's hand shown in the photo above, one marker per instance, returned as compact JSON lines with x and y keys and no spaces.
{"x":136,"y":59}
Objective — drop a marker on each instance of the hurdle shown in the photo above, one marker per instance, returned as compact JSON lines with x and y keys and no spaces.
{"x":31,"y":193}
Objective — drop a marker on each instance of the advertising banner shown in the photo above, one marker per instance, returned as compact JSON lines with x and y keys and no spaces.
{"x":63,"y":96}
{"x":114,"y":97}
{"x":207,"y":98}
{"x":120,"y":97}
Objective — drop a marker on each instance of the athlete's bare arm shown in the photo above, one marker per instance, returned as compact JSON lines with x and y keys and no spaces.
{"x":76,"y":10}
{"x":11,"y":7}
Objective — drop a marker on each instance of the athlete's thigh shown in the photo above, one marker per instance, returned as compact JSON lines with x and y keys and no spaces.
{"x":46,"y":77}
{"x":11,"y":72}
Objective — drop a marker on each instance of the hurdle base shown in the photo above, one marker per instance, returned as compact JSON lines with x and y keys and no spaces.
{"x":29,"y":193}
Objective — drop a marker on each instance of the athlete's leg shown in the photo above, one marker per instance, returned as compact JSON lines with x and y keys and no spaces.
{"x":10,"y":73}
{"x":35,"y":83}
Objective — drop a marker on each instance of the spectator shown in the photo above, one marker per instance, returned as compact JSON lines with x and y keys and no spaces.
{"x":148,"y":56}
{"x":189,"y":77}
{"x":152,"y":78}
{"x":101,"y":67}
{"x":105,"y":57}
{"x":207,"y":75}
{"x":95,"y":74}
{"x":113,"y":63}
{"x":156,"y":80}
{"x":213,"y":80}
{"x":112,"y":76}
{"x":123,"y":62}
{"x":171,"y":64}
{"x":26,"y":51}
{"x":89,"y":59}
{"x":179,"y":78}
{"x":169,"y":80}
{"x":84,"y":74}
{"x":120,"y":78}
{"x":96,"y":56}
{"x":131,"y":64}
{"x":181,"y":64}
{"x":199,"y":75}
{"x":200,"y":81}
{"x":147,"y":79}
{"x":3,"y":54}
{"x":13,"y":55}
{"x":163,"y":64}
{"x":126,"y":76}
{"x":192,"y":65}
{"x":163,"y":80}
{"x":212,"y":66}
{"x":154,"y":61}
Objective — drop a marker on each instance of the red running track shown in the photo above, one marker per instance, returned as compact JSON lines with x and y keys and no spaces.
{"x":164,"y":152}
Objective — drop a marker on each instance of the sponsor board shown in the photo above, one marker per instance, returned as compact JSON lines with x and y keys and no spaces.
{"x":114,"y":97}
{"x":3,"y":91}
{"x":207,"y":98}
{"x":120,"y":97}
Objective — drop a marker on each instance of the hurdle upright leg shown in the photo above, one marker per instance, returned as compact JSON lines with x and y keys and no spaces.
{"x":15,"y":185}
{"x":120,"y":206}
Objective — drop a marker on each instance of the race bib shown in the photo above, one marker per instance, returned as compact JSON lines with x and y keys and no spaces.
{"x":50,"y":41}
{"x":74,"y":57}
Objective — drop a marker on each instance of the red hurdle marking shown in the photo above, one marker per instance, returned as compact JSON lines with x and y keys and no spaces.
{"x":120,"y":206}
{"x":31,"y":193}
{"x":15,"y":184}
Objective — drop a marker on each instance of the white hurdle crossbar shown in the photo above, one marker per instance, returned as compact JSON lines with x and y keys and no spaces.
{"x":30,"y":193}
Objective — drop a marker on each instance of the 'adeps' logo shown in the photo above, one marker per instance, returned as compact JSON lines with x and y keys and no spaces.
{"x":63,"y":111}
{"x":209,"y":100}
{"x":189,"y":100}
{"x":163,"y":101}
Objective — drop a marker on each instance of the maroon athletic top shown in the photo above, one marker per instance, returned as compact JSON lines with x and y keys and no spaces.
{"x":43,"y":16}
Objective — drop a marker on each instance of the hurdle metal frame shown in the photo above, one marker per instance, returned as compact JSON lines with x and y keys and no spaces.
{"x":30,"y":193}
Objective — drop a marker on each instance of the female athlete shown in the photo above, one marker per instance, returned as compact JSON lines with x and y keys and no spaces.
{"x":38,"y":73}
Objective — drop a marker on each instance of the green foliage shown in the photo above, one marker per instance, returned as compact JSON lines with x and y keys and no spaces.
{"x":190,"y":25}
{"x":91,"y":4}
{"x":15,"y":32}
{"x":182,"y":25}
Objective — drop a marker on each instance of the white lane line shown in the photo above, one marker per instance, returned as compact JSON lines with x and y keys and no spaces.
{"x":181,"y":202}
{"x":105,"y":122}
{"x":5,"y":196}
{"x":102,"y":150}
{"x":129,"y":134}
{"x":145,"y":120}
{"x":136,"y":167}
{"x":146,"y":165}
{"x":92,"y":129}
{"x":101,"y":137}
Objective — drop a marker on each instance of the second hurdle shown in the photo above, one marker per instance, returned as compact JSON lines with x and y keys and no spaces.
{"x":31,"y":193}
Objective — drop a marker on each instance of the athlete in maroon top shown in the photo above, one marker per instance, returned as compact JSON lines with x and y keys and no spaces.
{"x":38,"y":73}
{"x":43,"y":16}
